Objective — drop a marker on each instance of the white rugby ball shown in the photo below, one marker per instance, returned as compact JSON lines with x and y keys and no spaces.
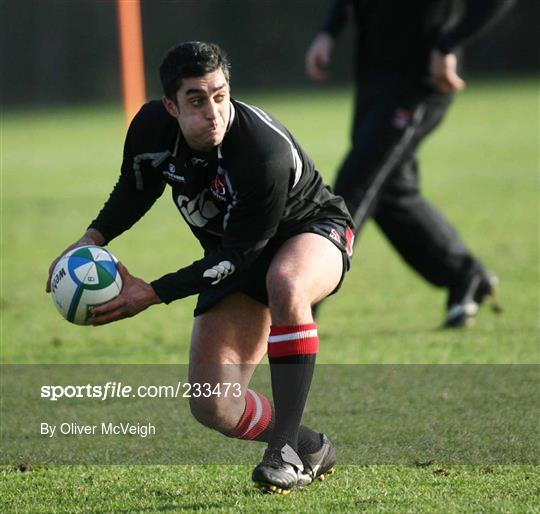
{"x":83,"y":278}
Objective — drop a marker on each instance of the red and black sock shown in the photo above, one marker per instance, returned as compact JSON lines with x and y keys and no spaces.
{"x":257,"y":424}
{"x":257,"y":421}
{"x":292,"y":352}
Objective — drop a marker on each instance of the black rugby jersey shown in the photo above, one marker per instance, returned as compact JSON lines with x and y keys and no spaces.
{"x":395,"y":37}
{"x":258,"y":184}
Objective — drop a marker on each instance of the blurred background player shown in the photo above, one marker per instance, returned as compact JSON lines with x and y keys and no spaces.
{"x":406,"y":75}
{"x":276,"y":240}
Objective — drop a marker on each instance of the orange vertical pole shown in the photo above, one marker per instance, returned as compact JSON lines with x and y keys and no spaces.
{"x":131,"y":56}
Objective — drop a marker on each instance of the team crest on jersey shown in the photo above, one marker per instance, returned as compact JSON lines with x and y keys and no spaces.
{"x":218,"y":188}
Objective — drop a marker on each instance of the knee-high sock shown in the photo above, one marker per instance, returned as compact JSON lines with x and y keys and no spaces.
{"x":292,"y":352}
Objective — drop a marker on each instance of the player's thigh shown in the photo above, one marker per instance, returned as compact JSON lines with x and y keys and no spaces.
{"x":229,"y":340}
{"x":309,"y":265}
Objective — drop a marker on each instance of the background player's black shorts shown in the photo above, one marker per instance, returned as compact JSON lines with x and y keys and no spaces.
{"x":253,"y":281}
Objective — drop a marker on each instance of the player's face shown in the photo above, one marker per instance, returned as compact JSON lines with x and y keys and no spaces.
{"x":203,"y":110}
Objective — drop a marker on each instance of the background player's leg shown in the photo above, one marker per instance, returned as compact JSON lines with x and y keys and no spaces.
{"x":419,"y":232}
{"x":379,"y":178}
{"x":425,"y":239}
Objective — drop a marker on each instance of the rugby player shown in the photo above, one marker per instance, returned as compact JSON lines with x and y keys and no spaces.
{"x":276,"y":241}
{"x":406,"y":69}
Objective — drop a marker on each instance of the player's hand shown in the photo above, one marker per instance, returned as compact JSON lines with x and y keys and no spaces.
{"x":91,"y":237}
{"x":136,"y":296}
{"x":443,"y":70}
{"x":319,"y":57}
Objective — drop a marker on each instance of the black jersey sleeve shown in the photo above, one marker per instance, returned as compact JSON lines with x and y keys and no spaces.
{"x":478,"y":16}
{"x":259,"y":188}
{"x":137,"y":188}
{"x":336,"y":18}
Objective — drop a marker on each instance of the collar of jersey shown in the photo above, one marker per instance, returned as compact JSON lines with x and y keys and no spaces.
{"x":231,"y":116}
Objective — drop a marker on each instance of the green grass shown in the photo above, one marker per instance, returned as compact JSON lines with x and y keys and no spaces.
{"x":389,"y":489}
{"x":480,"y":168}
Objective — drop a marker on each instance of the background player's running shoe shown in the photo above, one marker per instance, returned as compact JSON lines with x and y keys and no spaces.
{"x":278,"y":471}
{"x":318,"y":464}
{"x":464,"y":300}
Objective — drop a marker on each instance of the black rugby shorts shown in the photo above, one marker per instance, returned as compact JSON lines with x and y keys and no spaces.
{"x":253,"y":281}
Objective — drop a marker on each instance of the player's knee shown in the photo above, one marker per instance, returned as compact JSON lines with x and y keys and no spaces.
{"x":285,"y":291}
{"x":212,"y":413}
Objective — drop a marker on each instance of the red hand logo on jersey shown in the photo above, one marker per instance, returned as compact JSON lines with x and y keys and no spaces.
{"x":218,"y":188}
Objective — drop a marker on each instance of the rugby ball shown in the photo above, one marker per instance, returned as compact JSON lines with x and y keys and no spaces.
{"x":83,"y":278}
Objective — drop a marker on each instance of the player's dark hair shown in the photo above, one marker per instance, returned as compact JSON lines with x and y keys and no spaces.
{"x":190,"y":59}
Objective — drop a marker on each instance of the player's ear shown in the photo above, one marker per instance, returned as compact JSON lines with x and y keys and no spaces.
{"x":171,"y":107}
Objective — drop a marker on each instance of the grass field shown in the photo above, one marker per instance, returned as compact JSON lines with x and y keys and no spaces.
{"x":480,"y":169}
